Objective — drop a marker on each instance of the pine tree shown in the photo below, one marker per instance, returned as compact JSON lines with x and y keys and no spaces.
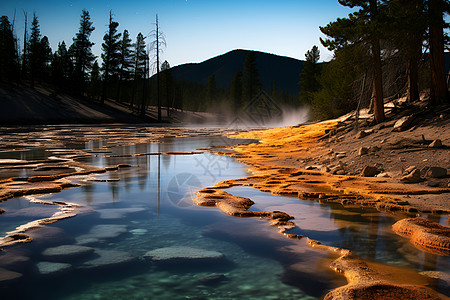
{"x":236,"y":91}
{"x":250,"y":78}
{"x":125,"y":60}
{"x":94,"y":76}
{"x":361,"y":27}
{"x":46,"y":57}
{"x":66,"y":62}
{"x":62,"y":67}
{"x":94,"y":86}
{"x":35,"y":49}
{"x":8,"y":54}
{"x":407,"y":34}
{"x":82,"y":51}
{"x":111,"y":55}
{"x":167,"y":84}
{"x":139,"y":63}
{"x":308,"y":77}
{"x":338,"y":93}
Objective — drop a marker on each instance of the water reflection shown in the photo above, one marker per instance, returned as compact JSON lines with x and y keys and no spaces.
{"x":150,"y":208}
{"x":366,"y":232}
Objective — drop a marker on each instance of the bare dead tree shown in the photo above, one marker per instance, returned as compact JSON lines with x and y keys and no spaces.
{"x":158,"y":41}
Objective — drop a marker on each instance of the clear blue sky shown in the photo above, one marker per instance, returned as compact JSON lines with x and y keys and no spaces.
{"x":195,"y":30}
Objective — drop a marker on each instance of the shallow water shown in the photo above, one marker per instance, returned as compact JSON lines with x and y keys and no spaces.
{"x":150,"y":206}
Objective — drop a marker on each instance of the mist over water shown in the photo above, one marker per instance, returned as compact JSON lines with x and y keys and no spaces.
{"x":222,"y":115}
{"x":290,"y":117}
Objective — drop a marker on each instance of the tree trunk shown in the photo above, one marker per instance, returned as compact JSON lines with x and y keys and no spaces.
{"x":157,"y":71}
{"x":438,"y":84}
{"x":376,"y":64}
{"x":377,"y":82}
{"x":413,"y":76}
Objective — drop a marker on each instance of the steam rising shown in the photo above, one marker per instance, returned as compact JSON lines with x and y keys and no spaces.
{"x":290,"y":117}
{"x":222,"y":116}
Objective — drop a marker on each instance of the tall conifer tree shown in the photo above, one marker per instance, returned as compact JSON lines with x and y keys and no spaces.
{"x":34,"y":48}
{"x":308,"y":77}
{"x":251,"y":83}
{"x":139,"y":63}
{"x":167,"y":84}
{"x":8,"y":54}
{"x":82,"y":51}
{"x":111,"y":55}
{"x":361,"y":27}
{"x":125,"y":60}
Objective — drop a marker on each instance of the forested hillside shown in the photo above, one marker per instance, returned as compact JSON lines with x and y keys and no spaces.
{"x":283,"y":71}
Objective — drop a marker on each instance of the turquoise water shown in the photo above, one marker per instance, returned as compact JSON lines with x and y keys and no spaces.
{"x":149,"y":206}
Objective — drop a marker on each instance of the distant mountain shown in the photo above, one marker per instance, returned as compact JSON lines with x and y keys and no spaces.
{"x":283,"y":70}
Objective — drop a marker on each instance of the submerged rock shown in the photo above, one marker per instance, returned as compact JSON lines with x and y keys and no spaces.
{"x":100,"y":232}
{"x":51,"y":268}
{"x":13,"y":259}
{"x":139,"y":231}
{"x":182,"y":255}
{"x":109,"y":259}
{"x":212,"y":279}
{"x":48,"y":236}
{"x":67,"y":252}
{"x":7,"y":275}
{"x":117,"y":213}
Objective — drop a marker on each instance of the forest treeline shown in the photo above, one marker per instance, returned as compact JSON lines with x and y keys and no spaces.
{"x":383,"y":49}
{"x":124,"y":72}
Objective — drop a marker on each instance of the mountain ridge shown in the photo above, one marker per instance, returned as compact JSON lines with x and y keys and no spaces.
{"x":285,"y":71}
